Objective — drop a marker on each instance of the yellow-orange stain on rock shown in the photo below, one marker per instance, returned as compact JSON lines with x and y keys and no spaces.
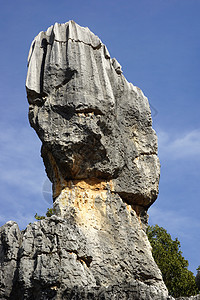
{"x":88,"y":198}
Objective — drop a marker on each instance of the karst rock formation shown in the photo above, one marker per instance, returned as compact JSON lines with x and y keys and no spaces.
{"x":100,"y":153}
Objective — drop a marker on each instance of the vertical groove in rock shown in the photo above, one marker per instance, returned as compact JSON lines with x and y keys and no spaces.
{"x":100,"y":152}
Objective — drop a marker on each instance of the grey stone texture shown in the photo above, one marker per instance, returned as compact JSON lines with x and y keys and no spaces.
{"x":100,"y":153}
{"x":91,"y":121}
{"x":10,"y":240}
{"x":56,"y":259}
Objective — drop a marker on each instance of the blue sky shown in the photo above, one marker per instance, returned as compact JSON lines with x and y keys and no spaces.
{"x":157,"y":42}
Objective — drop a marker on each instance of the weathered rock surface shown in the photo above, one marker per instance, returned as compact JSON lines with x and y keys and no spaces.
{"x":91,"y":121}
{"x":100,"y":152}
{"x":56,"y":259}
{"x":10,"y":240}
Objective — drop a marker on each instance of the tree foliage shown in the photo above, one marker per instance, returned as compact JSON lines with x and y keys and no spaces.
{"x":197,"y":278}
{"x":49,"y":213}
{"x":174,"y":267}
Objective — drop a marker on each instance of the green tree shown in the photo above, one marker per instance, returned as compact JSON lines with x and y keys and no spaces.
{"x":197,"y":278}
{"x":49,"y":213}
{"x":174,"y":267}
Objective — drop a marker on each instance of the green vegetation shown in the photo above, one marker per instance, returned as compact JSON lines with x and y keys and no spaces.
{"x":197,"y":278}
{"x":174,"y":267}
{"x":49,"y":213}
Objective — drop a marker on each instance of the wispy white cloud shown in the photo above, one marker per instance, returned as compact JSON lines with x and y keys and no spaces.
{"x":187,"y":145}
{"x":178,"y":223}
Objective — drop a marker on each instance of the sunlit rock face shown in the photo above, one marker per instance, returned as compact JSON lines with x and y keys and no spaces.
{"x":91,"y":121}
{"x":58,"y":259}
{"x":100,"y":153}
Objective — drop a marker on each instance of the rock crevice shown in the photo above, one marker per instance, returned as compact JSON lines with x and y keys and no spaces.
{"x":100,"y":153}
